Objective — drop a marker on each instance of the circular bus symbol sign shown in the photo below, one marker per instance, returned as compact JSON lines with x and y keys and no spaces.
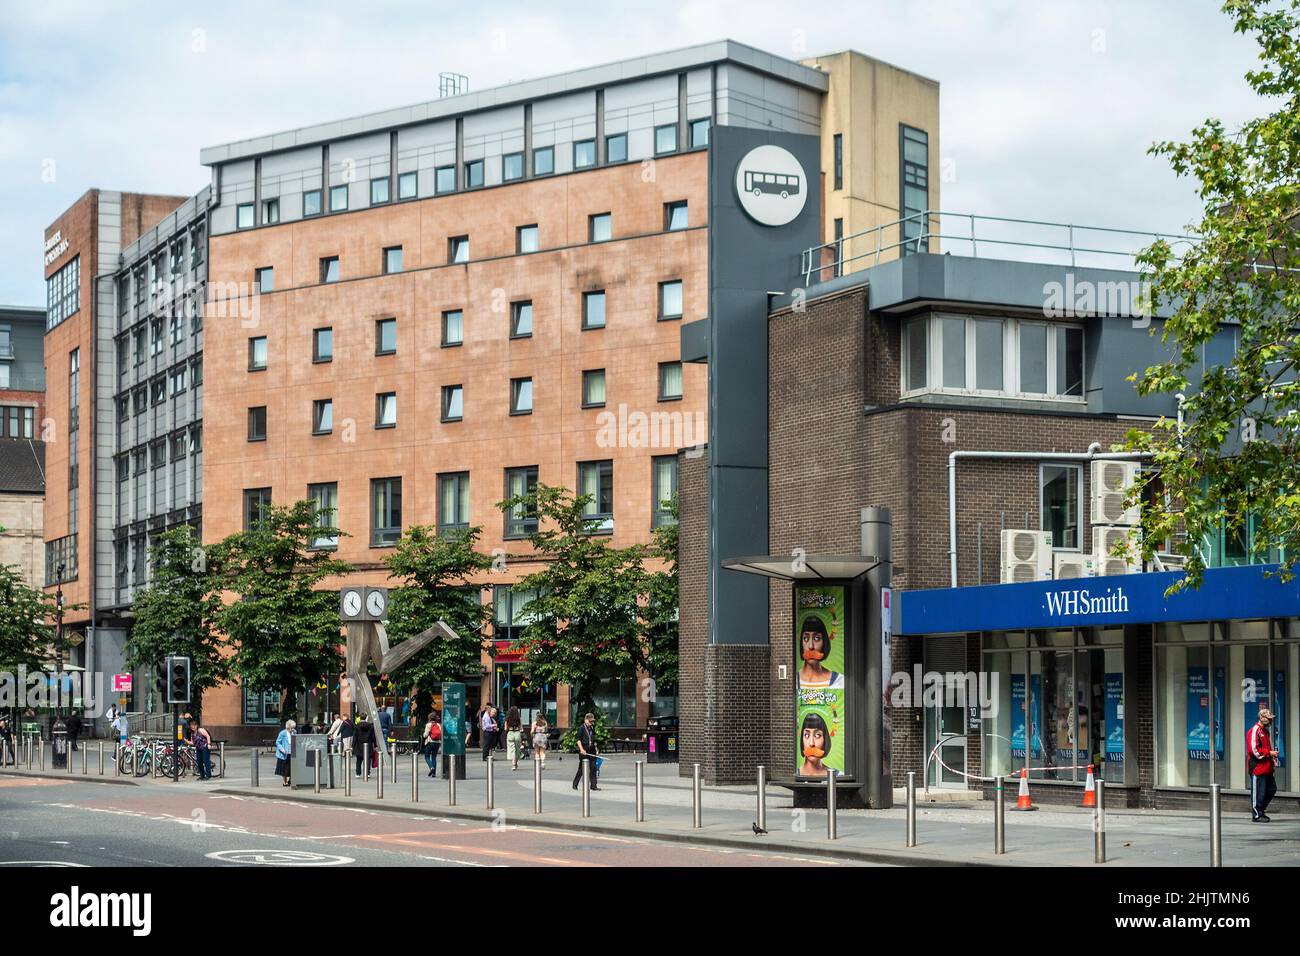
{"x":771,"y":185}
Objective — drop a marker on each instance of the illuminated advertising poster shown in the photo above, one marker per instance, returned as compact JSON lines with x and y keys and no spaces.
{"x":1018,"y":717}
{"x":1198,"y":713}
{"x":1114,"y":718}
{"x":820,"y":685}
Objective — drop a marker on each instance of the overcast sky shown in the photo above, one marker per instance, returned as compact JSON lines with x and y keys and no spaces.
{"x":1048,"y":107}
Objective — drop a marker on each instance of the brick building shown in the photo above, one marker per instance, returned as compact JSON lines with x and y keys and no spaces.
{"x":22,"y":452}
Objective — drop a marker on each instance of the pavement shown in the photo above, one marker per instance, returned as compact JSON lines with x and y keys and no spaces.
{"x":950,"y":832}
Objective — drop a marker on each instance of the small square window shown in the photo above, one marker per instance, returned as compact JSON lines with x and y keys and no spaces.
{"x":408,"y":185}
{"x":670,"y":381}
{"x":593,"y":388}
{"x":670,"y":299}
{"x":392,"y":260}
{"x":453,"y":328}
{"x":265,"y":279}
{"x":271,"y":212}
{"x":453,"y":403}
{"x":322,"y":416}
{"x":311,"y":203}
{"x":379,"y":191}
{"x":521,"y":319}
{"x":257,"y":354}
{"x":329,"y":269}
{"x":257,"y":423}
{"x":526,"y":239}
{"x":444,"y":179}
{"x":521,"y":396}
{"x":543,"y":161}
{"x":512,"y":167}
{"x":474,"y":174}
{"x":584,"y":154}
{"x":385,"y":336}
{"x":458,"y":249}
{"x":244,"y":216}
{"x":593,"y":310}
{"x":338,"y":198}
{"x":666,"y":139}
{"x":600,"y":227}
{"x":322,"y":345}
{"x":386,"y":410}
{"x":675,"y":216}
{"x":699,"y":133}
{"x":616,"y":148}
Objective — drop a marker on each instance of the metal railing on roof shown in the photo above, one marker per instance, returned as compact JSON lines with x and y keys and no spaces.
{"x":1032,"y":240}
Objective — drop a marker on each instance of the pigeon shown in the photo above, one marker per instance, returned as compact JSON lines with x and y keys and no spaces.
{"x":758,"y":830}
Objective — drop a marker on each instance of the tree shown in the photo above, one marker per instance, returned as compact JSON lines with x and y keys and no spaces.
{"x":661,"y":610}
{"x":585,"y":624}
{"x":436,"y":569}
{"x":286,"y":631}
{"x":178,"y":612}
{"x":1233,"y":461}
{"x":25,"y":613}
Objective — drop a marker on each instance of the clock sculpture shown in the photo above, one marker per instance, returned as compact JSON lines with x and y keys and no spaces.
{"x":363,"y":610}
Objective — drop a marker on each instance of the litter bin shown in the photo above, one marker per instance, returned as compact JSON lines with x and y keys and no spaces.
{"x":59,"y":733}
{"x":661,"y":740}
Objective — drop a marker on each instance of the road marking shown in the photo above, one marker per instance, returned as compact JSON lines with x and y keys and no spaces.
{"x":504,"y":854}
{"x":279,"y":858}
{"x":40,"y":863}
{"x":33,"y":782}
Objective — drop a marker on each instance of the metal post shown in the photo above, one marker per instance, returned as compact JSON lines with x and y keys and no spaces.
{"x":537,"y":786}
{"x":347,"y":774}
{"x":696,"y":810}
{"x":999,"y":820}
{"x":40,"y":743}
{"x":393,"y":760}
{"x":586,"y":788}
{"x":1099,"y":823}
{"x":28,"y":739}
{"x":451,"y":783}
{"x":316,"y":774}
{"x":762,"y":797}
{"x":135,"y":762}
{"x":253,"y":769}
{"x":221,"y":758}
{"x":832,"y":825}
{"x":101,"y":758}
{"x":640,"y":792}
{"x":379,"y":777}
{"x":415,"y":776}
{"x":1216,"y":824}
{"x":491,"y":781}
{"x":911,"y":808}
{"x":365,"y":754}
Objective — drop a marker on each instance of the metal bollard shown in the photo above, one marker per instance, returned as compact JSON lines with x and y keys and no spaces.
{"x":40,"y":746}
{"x":832,"y":824}
{"x":762,"y":797}
{"x":415,"y":777}
{"x":451,"y":783}
{"x":365,"y":754}
{"x":101,"y":758}
{"x":254,"y":775}
{"x":999,"y":820}
{"x":697,"y":812}
{"x":347,"y":774}
{"x":379,"y":778}
{"x":640,"y":792}
{"x":586,"y":788}
{"x":537,"y":785}
{"x":316,"y":774}
{"x":911,"y":808}
{"x":393,"y":760}
{"x":1099,"y":824}
{"x":491,"y":782}
{"x":135,"y":762}
{"x":85,"y":751}
{"x":1216,"y":824}
{"x":28,"y":740}
{"x":221,"y":758}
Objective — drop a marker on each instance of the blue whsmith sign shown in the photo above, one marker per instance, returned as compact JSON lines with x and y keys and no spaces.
{"x":1226,"y":593}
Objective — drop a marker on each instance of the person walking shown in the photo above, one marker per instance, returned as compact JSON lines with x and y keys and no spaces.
{"x":432,"y":742}
{"x":488,"y":729}
{"x":332,"y":734}
{"x":202,"y":749}
{"x":385,"y":722}
{"x":587,"y":750}
{"x":514,"y":737}
{"x":119,"y":729}
{"x":363,"y":736}
{"x":538,"y":734}
{"x":73,"y":725}
{"x":284,"y":750}
{"x":1260,"y":760}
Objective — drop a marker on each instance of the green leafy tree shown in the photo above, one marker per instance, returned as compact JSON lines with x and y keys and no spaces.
{"x":1234,"y":460}
{"x":435,"y":570}
{"x":177,"y":613}
{"x":25,"y":615}
{"x":286,"y":630}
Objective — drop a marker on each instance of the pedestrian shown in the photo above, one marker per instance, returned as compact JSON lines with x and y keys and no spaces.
{"x":539,"y":732}
{"x":73,"y":726}
{"x":202,"y":749}
{"x":332,"y":734}
{"x":1260,"y":758}
{"x":385,"y":721}
{"x":363,"y":737}
{"x":284,"y":750}
{"x":6,"y":741}
{"x":488,"y":729}
{"x":587,"y":750}
{"x":119,"y":728}
{"x":514,"y":737}
{"x":432,"y":742}
{"x":347,"y":731}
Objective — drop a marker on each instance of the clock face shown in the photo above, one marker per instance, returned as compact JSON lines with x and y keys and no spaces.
{"x":375,"y":602}
{"x":351,"y":603}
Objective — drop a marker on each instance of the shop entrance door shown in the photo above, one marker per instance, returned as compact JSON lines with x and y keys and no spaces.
{"x":945,"y":720}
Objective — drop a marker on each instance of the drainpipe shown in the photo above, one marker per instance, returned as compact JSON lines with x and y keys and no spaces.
{"x":1093,"y":453}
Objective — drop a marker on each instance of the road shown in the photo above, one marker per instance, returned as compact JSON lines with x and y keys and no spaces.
{"x":51,"y":822}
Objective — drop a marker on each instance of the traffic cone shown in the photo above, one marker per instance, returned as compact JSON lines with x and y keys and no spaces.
{"x":1022,"y":799}
{"x":1090,"y":790}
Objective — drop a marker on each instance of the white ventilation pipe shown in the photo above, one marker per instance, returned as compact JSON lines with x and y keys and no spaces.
{"x":1094,"y":453}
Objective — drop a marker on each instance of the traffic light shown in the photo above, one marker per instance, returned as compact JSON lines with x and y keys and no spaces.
{"x":178,"y":680}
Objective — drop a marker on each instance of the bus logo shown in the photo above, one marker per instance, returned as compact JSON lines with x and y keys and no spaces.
{"x":770,"y":184}
{"x":783,"y":185}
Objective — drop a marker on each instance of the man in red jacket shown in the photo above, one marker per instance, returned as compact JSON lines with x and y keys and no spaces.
{"x":1260,"y":757}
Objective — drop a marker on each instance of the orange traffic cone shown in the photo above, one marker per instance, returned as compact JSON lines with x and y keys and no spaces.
{"x":1022,"y":799}
{"x":1090,"y":790}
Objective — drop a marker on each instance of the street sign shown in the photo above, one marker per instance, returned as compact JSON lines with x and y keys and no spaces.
{"x":453,"y":720}
{"x":121,"y":683}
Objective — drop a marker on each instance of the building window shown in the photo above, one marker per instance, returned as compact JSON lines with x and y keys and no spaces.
{"x":379,"y":191}
{"x":839,"y":161}
{"x":257,"y":354}
{"x":453,"y":501}
{"x":322,"y":345}
{"x":453,"y":328}
{"x":600,"y":227}
{"x":670,"y":299}
{"x":663,"y":480}
{"x":244,"y":216}
{"x":385,"y":336}
{"x":265,"y":279}
{"x":521,"y":396}
{"x":593,"y":310}
{"x":616,"y":148}
{"x":386,"y":512}
{"x":1062,"y":503}
{"x":670,"y":381}
{"x":453,"y":403}
{"x":914,"y":183}
{"x":386,"y":410}
{"x":338,"y":198}
{"x":458,"y":249}
{"x":444,"y":180}
{"x":322,"y":416}
{"x":521,"y":319}
{"x":392,"y":260}
{"x":257,"y":423}
{"x":596,"y":482}
{"x":675,"y":216}
{"x":325,"y":500}
{"x":699,"y":133}
{"x":526,"y":239}
{"x":177,"y":381}
{"x":63,"y":293}
{"x":407,"y":185}
{"x":474,"y":174}
{"x":256,"y":503}
{"x":593,"y":388}
{"x":512,"y":167}
{"x":666,"y":139}
{"x":584,"y":153}
{"x":543,"y":161}
{"x":520,"y":521}
{"x":158,"y":390}
{"x":311,"y":203}
{"x":329,"y":269}
{"x":270,"y":212}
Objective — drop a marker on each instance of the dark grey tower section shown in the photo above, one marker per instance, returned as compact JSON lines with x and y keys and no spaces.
{"x":746,"y":262}
{"x":876,"y":527}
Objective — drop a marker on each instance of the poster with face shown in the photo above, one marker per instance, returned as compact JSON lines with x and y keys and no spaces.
{"x":819,"y":634}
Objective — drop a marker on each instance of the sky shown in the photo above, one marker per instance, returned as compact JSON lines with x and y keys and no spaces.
{"x":1048,"y":107}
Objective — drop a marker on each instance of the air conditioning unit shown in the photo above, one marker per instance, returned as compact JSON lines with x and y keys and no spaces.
{"x":1067,"y":564}
{"x":1110,"y":482}
{"x":1104,"y":539}
{"x":1026,"y":556}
